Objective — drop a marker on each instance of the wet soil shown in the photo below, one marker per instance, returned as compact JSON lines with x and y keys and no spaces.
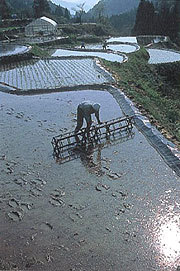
{"x":113,"y":208}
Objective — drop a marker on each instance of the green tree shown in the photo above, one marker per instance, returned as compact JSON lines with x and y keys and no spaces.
{"x":4,"y":10}
{"x":174,"y":23}
{"x":145,"y":19}
{"x":59,"y":11}
{"x":79,"y":12}
{"x":67,"y":14}
{"x":40,"y":7}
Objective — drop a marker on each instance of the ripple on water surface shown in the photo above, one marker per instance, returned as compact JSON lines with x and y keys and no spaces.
{"x":162,"y":56}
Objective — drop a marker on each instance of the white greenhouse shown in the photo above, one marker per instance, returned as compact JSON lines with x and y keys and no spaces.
{"x":41,"y":26}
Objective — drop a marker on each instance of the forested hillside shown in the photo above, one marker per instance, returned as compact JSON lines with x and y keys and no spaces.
{"x":112,"y":7}
{"x":26,"y":9}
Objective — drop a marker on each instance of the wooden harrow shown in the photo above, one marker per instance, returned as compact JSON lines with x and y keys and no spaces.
{"x":109,"y":131}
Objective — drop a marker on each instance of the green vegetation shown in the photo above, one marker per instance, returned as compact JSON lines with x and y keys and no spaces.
{"x":2,"y":29}
{"x":164,"y":21}
{"x":37,"y":51}
{"x":149,"y":88}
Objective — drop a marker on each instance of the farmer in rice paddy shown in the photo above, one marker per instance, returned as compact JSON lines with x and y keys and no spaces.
{"x":105,"y":45}
{"x":83,"y":45}
{"x":84,"y":111}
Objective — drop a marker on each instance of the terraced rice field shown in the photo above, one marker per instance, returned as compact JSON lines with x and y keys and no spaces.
{"x":123,"y":39}
{"x":52,"y":74}
{"x":162,"y":56}
{"x":123,"y":48}
{"x":107,"y":56}
{"x":11,"y":49}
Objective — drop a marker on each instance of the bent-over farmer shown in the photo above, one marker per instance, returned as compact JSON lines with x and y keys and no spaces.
{"x":84,"y":110}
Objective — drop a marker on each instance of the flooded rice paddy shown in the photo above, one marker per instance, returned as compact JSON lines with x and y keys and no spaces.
{"x":107,"y":56}
{"x":110,"y":208}
{"x":52,"y":74}
{"x":162,"y":56}
{"x":123,"y":48}
{"x":122,"y":39}
{"x":12,"y":49}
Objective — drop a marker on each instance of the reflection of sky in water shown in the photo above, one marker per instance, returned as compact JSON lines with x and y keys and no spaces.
{"x":162,"y":56}
{"x":11,"y":49}
{"x":124,"y":48}
{"x":166,"y":232}
{"x":123,"y":39}
{"x":107,"y":56}
{"x":169,"y":238}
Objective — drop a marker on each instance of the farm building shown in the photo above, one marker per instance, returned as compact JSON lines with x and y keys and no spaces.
{"x":41,"y":26}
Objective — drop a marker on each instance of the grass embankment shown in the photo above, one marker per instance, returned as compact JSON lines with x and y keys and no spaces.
{"x":39,"y":52}
{"x":151,"y":91}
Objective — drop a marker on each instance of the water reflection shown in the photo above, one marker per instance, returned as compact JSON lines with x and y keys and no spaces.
{"x":91,"y":159}
{"x":12,"y":49}
{"x":86,"y":151}
{"x":107,"y":56}
{"x":167,"y":239}
{"x":123,"y":48}
{"x":122,"y":39}
{"x":162,"y":56}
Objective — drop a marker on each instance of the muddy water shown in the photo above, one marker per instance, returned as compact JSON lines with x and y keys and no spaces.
{"x":112,"y":209}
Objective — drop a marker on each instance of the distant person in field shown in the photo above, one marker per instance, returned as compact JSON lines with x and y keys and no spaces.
{"x":84,"y":111}
{"x":105,"y":45}
{"x":83,"y":45}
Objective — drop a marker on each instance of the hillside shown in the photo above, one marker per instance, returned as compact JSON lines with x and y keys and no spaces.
{"x":20,"y":7}
{"x":112,"y":7}
{"x":153,"y":88}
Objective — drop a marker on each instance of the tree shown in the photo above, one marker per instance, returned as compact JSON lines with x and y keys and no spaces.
{"x":59,"y":11}
{"x":4,"y":10}
{"x":67,"y":14}
{"x":174,"y":23}
{"x":145,"y":18}
{"x":80,"y":11}
{"x":40,"y":7}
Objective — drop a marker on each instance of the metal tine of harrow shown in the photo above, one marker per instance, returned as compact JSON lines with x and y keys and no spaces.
{"x":68,"y":139}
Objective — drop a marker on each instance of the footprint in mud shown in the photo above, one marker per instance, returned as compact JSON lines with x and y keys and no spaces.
{"x":15,"y":215}
{"x":56,"y":198}
{"x":26,"y":206}
{"x":75,"y":217}
{"x":38,"y":182}
{"x":13,"y":203}
{"x":20,"y":181}
{"x":56,"y":202}
{"x":35,"y":192}
{"x":10,"y":111}
{"x":46,"y":226}
{"x":121,"y":210}
{"x":19,"y":208}
{"x":19,"y":115}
